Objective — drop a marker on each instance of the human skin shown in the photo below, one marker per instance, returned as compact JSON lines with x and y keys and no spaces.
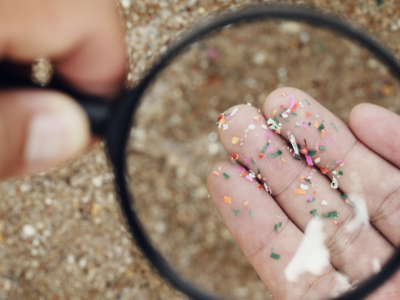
{"x":356,"y":244}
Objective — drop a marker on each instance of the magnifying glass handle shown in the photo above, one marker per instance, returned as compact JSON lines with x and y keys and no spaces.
{"x":13,"y":76}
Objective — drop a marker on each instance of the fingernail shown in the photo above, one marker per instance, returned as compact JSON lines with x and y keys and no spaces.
{"x":52,"y":138}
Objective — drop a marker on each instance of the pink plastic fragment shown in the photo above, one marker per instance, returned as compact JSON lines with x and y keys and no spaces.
{"x":328,"y":140}
{"x":284,"y":219}
{"x":292,"y":101}
{"x":302,"y":124}
{"x":268,"y":133}
{"x":339,"y":161}
{"x":309,"y":198}
{"x":241,"y":169}
{"x":269,"y":148}
{"x":228,"y":116}
{"x":249,"y":178}
{"x":309,"y":160}
{"x":247,"y":160}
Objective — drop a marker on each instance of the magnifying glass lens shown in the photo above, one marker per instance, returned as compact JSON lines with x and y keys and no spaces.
{"x":185,"y":125}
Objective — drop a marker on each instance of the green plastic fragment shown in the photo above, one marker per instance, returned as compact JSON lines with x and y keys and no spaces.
{"x":226,"y":176}
{"x":294,"y":114}
{"x":265,"y":148}
{"x":308,"y":102}
{"x":313,"y":211}
{"x":276,"y":227}
{"x":275,"y":256}
{"x":311,"y":153}
{"x":333,"y":125}
{"x":309,"y":123}
{"x":259,"y":171}
{"x":297,"y":158}
{"x":332,"y":214}
{"x":280,"y":224}
{"x":379,"y":2}
{"x":296,"y":126}
{"x":316,"y":217}
{"x":279,"y":152}
{"x":236,"y":212}
{"x":324,"y":215}
{"x":340,"y":173}
{"x":343,"y":195}
{"x":322,"y":148}
{"x":287,"y":120}
{"x":321,"y":127}
{"x":251,"y":214}
{"x":253,"y":162}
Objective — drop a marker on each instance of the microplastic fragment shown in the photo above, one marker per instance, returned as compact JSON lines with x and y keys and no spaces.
{"x":249,"y":178}
{"x":297,"y":158}
{"x":343,"y":195}
{"x":275,"y":256}
{"x":225,"y":127}
{"x":340,"y":173}
{"x":311,"y":153}
{"x":323,"y":133}
{"x":260,"y":155}
{"x":333,"y":125}
{"x":226,"y":176}
{"x":296,"y":126}
{"x":269,"y":148}
{"x":308,"y":114}
{"x":292,"y":101}
{"x":257,"y":118}
{"x":317,"y":160}
{"x":247,"y":160}
{"x":299,"y":191}
{"x":251,"y":214}
{"x":293,"y":142}
{"x":321,"y":127}
{"x":324,"y":171}
{"x":328,"y":140}
{"x":283,"y":94}
{"x":276,"y":227}
{"x":339,"y":161}
{"x":324,"y":203}
{"x":322,"y":148}
{"x":285,"y":121}
{"x":274,"y":112}
{"x":227,"y":200}
{"x":246,"y":203}
{"x":248,"y":103}
{"x":236,"y":212}
{"x":294,"y":114}
{"x":234,"y":111}
{"x":309,"y":160}
{"x":253,"y":162}
{"x":304,"y":187}
{"x":269,"y":134}
{"x":280,"y":224}
{"x":264,"y":126}
{"x":216,"y":174}
{"x":235,"y":140}
{"x":317,"y":115}
{"x":265,"y":148}
{"x":332,"y":214}
{"x":309,"y":198}
{"x":252,"y":126}
{"x":283,"y":159}
{"x":313,"y":211}
{"x":316,"y":124}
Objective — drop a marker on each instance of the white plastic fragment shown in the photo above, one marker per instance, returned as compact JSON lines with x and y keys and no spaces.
{"x":293,"y":142}
{"x":225,"y":126}
{"x":251,"y":126}
{"x":248,"y":103}
{"x":264,"y":126}
{"x":335,"y":183}
{"x":304,"y":187}
{"x":317,"y":160}
{"x":324,"y":203}
{"x":234,"y":111}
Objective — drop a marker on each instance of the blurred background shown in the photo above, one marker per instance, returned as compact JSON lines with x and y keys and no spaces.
{"x":61,"y":233}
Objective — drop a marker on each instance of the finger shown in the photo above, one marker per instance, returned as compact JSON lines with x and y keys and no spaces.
{"x":286,"y":176}
{"x":368,"y":181}
{"x":38,"y":130}
{"x":84,"y":39}
{"x":269,"y":250}
{"x":378,"y":129}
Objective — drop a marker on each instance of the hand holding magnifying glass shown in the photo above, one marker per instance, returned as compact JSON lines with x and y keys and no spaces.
{"x":93,"y":61}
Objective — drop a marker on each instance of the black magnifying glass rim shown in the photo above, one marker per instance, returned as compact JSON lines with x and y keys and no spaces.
{"x":117,"y":134}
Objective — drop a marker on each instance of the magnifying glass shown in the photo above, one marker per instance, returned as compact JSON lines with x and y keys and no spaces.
{"x":163,"y":137}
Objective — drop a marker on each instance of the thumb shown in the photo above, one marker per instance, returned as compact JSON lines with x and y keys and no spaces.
{"x":38,"y":130}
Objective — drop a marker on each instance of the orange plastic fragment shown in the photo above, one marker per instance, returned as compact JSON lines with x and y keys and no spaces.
{"x":257,"y":118}
{"x":324,"y":171}
{"x":227,"y":200}
{"x":323,"y":133}
{"x":299,"y":191}
{"x":283,"y":159}
{"x":246,"y":203}
{"x":260,"y":155}
{"x":244,"y":174}
{"x":294,"y":107}
{"x":259,"y":186}
{"x":274,"y":113}
{"x":259,"y":176}
{"x":302,"y":177}
{"x":308,"y":114}
{"x":216,"y":174}
{"x":314,"y":192}
{"x":316,"y":124}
